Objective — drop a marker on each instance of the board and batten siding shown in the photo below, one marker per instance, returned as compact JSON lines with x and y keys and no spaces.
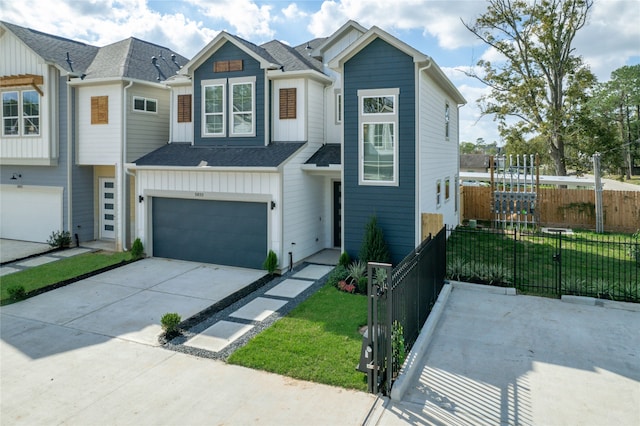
{"x":439,"y":156}
{"x":99,"y":144}
{"x":209,"y":185}
{"x":291,"y":129}
{"x":380,"y":65}
{"x":15,"y":59}
{"x":315,"y":112}
{"x":181,"y":132}
{"x":147,"y":131}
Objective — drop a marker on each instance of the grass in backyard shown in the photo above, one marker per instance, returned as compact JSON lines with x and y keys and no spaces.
{"x":318,"y":341}
{"x":591,"y":264}
{"x":61,"y":270}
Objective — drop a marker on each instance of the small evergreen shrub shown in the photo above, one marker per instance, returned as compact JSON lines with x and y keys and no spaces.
{"x":344,"y":259}
{"x":271,"y":262}
{"x":59,"y":239}
{"x":170,"y":322}
{"x":363,"y":283}
{"x":137,"y":249}
{"x":374,"y":248}
{"x":17,"y":292}
{"x":338,"y":274}
{"x":398,"y":345}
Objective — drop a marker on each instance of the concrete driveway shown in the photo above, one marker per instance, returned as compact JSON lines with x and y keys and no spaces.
{"x":88,"y":354}
{"x":524,"y":360}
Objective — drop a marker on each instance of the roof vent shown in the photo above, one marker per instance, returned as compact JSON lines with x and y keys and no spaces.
{"x":308,"y":48}
{"x":173,"y":59}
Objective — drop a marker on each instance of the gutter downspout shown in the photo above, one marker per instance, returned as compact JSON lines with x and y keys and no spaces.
{"x":418,"y":213}
{"x":70,"y":131}
{"x":122,"y":175}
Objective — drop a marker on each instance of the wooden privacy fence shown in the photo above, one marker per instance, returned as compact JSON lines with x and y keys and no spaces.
{"x":571,"y":208}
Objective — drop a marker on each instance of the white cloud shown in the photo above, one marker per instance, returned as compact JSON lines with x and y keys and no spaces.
{"x":292,"y":12}
{"x":248,"y":20}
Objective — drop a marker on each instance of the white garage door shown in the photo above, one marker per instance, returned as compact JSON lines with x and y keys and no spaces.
{"x":30,"y":213}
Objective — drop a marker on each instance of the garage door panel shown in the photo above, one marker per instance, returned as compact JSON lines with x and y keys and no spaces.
{"x":221,"y":232}
{"x":30,"y":213}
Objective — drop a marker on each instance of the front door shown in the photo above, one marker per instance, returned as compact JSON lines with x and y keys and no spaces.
{"x":107,"y":208}
{"x":337,"y":214}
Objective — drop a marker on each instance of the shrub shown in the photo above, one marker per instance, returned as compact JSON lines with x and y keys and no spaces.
{"x":344,"y":260}
{"x":357,"y":270}
{"x":170,"y":322}
{"x":59,"y":239}
{"x":633,"y":249}
{"x":137,"y":249}
{"x":345,"y":286}
{"x":374,"y":248}
{"x":17,"y":292}
{"x":398,"y":345}
{"x":271,"y":262}
{"x":338,"y":274}
{"x":363,"y":282}
{"x":456,"y":269}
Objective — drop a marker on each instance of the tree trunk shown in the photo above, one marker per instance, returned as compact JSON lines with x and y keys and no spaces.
{"x":556,"y":150}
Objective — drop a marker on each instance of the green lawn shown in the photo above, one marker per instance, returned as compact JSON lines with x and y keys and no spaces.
{"x":591,"y":264}
{"x":318,"y":341}
{"x":61,"y":270}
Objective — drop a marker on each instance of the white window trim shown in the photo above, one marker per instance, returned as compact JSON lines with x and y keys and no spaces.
{"x":242,"y":80}
{"x":438,"y":193}
{"x":203,"y":124}
{"x":146,"y":100}
{"x":447,"y":184}
{"x":21,"y":115}
{"x":380,"y":118}
{"x":447,"y":120}
{"x":339,"y":112}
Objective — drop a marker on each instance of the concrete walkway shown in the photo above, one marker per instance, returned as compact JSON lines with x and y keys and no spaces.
{"x":524,"y":360}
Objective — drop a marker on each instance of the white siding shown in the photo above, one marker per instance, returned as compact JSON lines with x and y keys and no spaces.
{"x":340,"y":44}
{"x":292,"y":130}
{"x":438,"y":156}
{"x":333,"y":130}
{"x":146,"y":131}
{"x":209,"y":185}
{"x":99,"y":144}
{"x":15,"y":59}
{"x":305,"y":213}
{"x":180,"y":132}
{"x":315,"y":109}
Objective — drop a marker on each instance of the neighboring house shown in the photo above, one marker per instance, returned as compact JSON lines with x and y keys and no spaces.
{"x":294,"y":149}
{"x":72,"y":115}
{"x":474,"y":163}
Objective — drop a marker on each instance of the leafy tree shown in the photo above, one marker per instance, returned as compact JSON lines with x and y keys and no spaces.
{"x":541,"y":82}
{"x":374,"y":248}
{"x":467,"y":148}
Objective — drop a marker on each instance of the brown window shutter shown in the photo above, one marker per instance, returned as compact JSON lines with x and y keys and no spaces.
{"x":99,"y":110}
{"x":184,"y":108}
{"x":288,"y":103}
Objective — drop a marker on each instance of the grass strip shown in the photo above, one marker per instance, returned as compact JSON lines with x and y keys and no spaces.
{"x":61,"y":270}
{"x":318,"y":341}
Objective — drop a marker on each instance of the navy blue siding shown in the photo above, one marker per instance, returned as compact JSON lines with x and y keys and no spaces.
{"x":380,"y":65}
{"x":251,"y":67}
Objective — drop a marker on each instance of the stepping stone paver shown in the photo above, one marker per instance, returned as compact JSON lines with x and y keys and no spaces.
{"x":219,"y":336}
{"x":8,"y":270}
{"x":313,"y":272}
{"x":289,"y":288}
{"x":37,"y":261}
{"x":258,"y":309}
{"x":72,"y":252}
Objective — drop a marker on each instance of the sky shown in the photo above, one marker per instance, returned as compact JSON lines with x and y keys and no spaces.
{"x":610,"y":40}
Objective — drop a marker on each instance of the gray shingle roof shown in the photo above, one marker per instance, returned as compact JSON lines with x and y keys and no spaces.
{"x":54,"y":49}
{"x":327,"y":154}
{"x":187,"y":155}
{"x":290,"y":58}
{"x":259,"y":50}
{"x":132,"y":58}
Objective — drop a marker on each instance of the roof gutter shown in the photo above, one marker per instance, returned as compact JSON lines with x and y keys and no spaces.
{"x":110,"y":80}
{"x":133,"y":166}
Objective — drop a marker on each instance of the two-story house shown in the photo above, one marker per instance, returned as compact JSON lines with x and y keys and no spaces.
{"x":294,"y":149}
{"x":72,"y":115}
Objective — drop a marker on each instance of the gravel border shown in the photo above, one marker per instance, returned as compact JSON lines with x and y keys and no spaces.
{"x":220,"y":311}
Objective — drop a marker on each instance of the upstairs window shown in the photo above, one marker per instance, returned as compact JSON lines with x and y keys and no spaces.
{"x":438,"y":193}
{"x":99,"y":110}
{"x":21,"y":113}
{"x":338,"y":108}
{"x":378,"y":147}
{"x":242,"y":109}
{"x":447,"y":189}
{"x":213,"y":123}
{"x":446,"y":120}
{"x":145,"y":104}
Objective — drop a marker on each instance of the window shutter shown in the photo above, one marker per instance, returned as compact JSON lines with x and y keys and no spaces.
{"x":99,"y":110}
{"x":184,"y":108}
{"x":288,"y":103}
{"x":235,"y":65}
{"x":226,"y":66}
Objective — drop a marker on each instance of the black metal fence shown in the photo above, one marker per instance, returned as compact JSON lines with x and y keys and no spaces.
{"x":400,"y":300}
{"x":552,"y":263}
